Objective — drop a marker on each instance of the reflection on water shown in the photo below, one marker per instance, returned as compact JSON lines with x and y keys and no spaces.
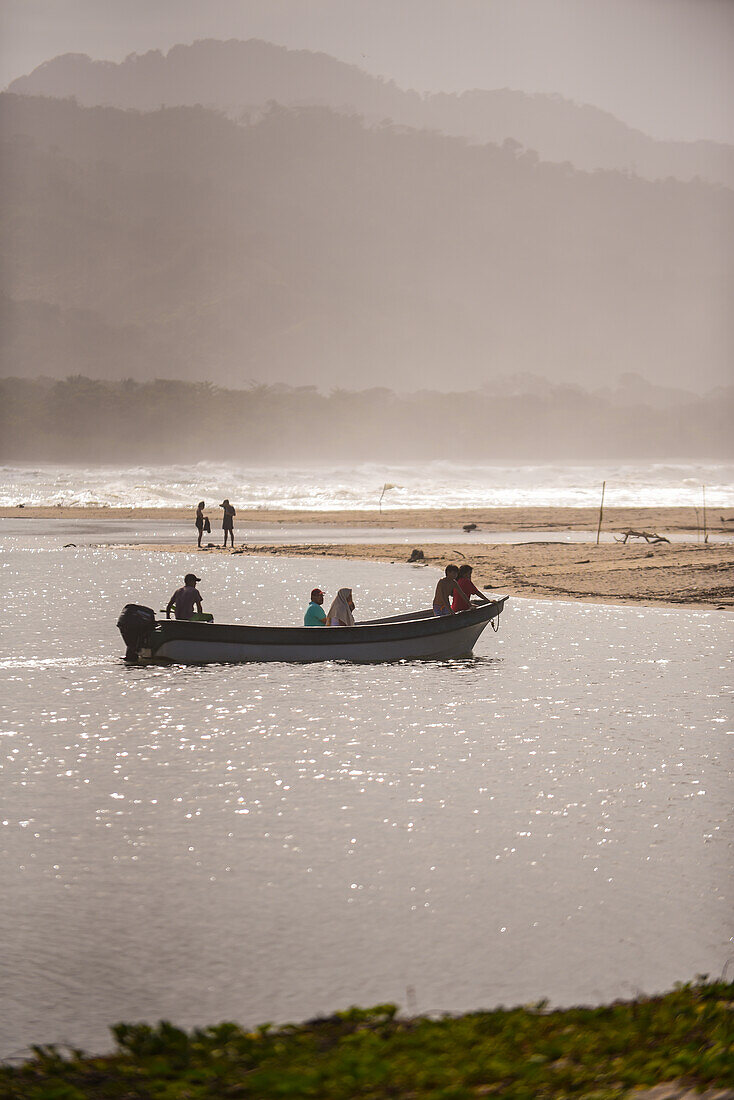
{"x":548,"y":818}
{"x":58,"y":533}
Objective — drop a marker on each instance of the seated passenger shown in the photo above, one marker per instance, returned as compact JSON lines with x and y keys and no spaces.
{"x":315,"y":614}
{"x":340,"y":612}
{"x":462,"y":600}
{"x":185,"y":599}
{"x":444,"y":590}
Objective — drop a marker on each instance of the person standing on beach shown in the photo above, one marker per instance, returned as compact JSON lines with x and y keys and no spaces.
{"x":228,"y":520}
{"x":468,"y":588}
{"x":199,"y":521}
{"x":184,"y":600}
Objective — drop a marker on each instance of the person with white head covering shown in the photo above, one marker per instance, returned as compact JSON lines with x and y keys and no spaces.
{"x":340,"y":612}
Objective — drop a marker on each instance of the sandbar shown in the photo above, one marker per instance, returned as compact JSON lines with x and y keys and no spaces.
{"x":688,"y":573}
{"x":453,"y":519}
{"x":670,"y":575}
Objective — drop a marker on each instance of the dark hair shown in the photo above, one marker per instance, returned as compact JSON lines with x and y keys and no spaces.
{"x":451,"y":569}
{"x":464,"y":570}
{"x":200,"y":504}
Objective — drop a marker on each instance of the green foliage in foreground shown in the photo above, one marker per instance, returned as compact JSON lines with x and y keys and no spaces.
{"x":370,"y":1054}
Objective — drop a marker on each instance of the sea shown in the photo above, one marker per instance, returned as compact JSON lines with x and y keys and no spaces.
{"x":550,"y":818}
{"x":435,"y":484}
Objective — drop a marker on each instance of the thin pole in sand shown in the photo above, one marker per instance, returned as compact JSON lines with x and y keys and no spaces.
{"x":705,"y":532}
{"x":601,"y":511}
{"x":385,"y":488}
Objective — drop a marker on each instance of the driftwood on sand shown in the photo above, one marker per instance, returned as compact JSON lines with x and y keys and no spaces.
{"x":648,"y":536}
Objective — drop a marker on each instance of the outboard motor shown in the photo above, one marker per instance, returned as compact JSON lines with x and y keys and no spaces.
{"x":135,"y":623}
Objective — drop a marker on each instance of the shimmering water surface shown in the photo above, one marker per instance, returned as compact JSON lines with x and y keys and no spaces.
{"x":52,"y":534}
{"x":548,"y":819}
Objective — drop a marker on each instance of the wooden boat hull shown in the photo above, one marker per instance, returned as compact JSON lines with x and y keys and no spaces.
{"x":421,"y":635}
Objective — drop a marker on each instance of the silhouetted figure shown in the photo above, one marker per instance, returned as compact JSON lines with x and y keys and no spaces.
{"x":199,"y":521}
{"x":446,"y":587}
{"x":228,"y":520}
{"x":184,"y":600}
{"x":466,"y":589}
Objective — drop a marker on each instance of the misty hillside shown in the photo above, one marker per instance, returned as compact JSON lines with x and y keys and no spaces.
{"x":85,"y":420}
{"x":243,"y":77}
{"x":308,"y":249}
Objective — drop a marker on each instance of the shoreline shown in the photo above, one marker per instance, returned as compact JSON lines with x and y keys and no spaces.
{"x":603,"y":1050}
{"x":685,"y":574}
{"x":676,"y":575}
{"x":528,"y":518}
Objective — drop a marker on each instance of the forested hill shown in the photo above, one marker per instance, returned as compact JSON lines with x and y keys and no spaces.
{"x":307,"y":249}
{"x":245,"y":76}
{"x":83,"y":420}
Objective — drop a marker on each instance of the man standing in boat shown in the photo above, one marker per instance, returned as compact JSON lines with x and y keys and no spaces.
{"x":184,"y":600}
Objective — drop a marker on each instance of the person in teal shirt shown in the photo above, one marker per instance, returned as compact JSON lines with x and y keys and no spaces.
{"x":315,"y":614}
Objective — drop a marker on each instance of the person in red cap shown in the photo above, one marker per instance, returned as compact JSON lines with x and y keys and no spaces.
{"x":315,"y":614}
{"x":184,"y":600}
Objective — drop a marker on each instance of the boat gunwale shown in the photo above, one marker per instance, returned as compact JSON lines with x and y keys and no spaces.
{"x":413,"y":625}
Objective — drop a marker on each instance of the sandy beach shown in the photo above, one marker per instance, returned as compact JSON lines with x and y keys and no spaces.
{"x":686,"y":573}
{"x":661,"y":520}
{"x":679,"y":575}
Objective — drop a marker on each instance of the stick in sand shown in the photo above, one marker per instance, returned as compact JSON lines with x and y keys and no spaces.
{"x":601,"y":511}
{"x":385,"y":488}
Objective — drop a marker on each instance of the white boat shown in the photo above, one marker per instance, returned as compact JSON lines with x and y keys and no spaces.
{"x":400,"y":637}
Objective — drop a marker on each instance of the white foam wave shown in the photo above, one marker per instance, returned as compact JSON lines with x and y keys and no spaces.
{"x":323,"y":488}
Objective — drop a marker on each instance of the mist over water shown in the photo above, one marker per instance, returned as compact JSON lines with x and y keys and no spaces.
{"x":325,"y":487}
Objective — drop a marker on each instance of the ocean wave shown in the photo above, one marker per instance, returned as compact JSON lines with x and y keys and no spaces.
{"x":325,"y":488}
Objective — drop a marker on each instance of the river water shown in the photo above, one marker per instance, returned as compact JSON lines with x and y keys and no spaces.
{"x":551,"y":818}
{"x":73,"y":533}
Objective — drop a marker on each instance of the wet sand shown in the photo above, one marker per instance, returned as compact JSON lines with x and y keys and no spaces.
{"x":452,"y":519}
{"x":675,"y":575}
{"x":682,"y":574}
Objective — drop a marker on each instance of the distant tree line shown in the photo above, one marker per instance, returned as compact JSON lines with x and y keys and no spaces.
{"x":309,"y":248}
{"x":80,"y":419}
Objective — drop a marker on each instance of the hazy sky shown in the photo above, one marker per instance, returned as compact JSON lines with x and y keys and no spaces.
{"x":665,"y":66}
